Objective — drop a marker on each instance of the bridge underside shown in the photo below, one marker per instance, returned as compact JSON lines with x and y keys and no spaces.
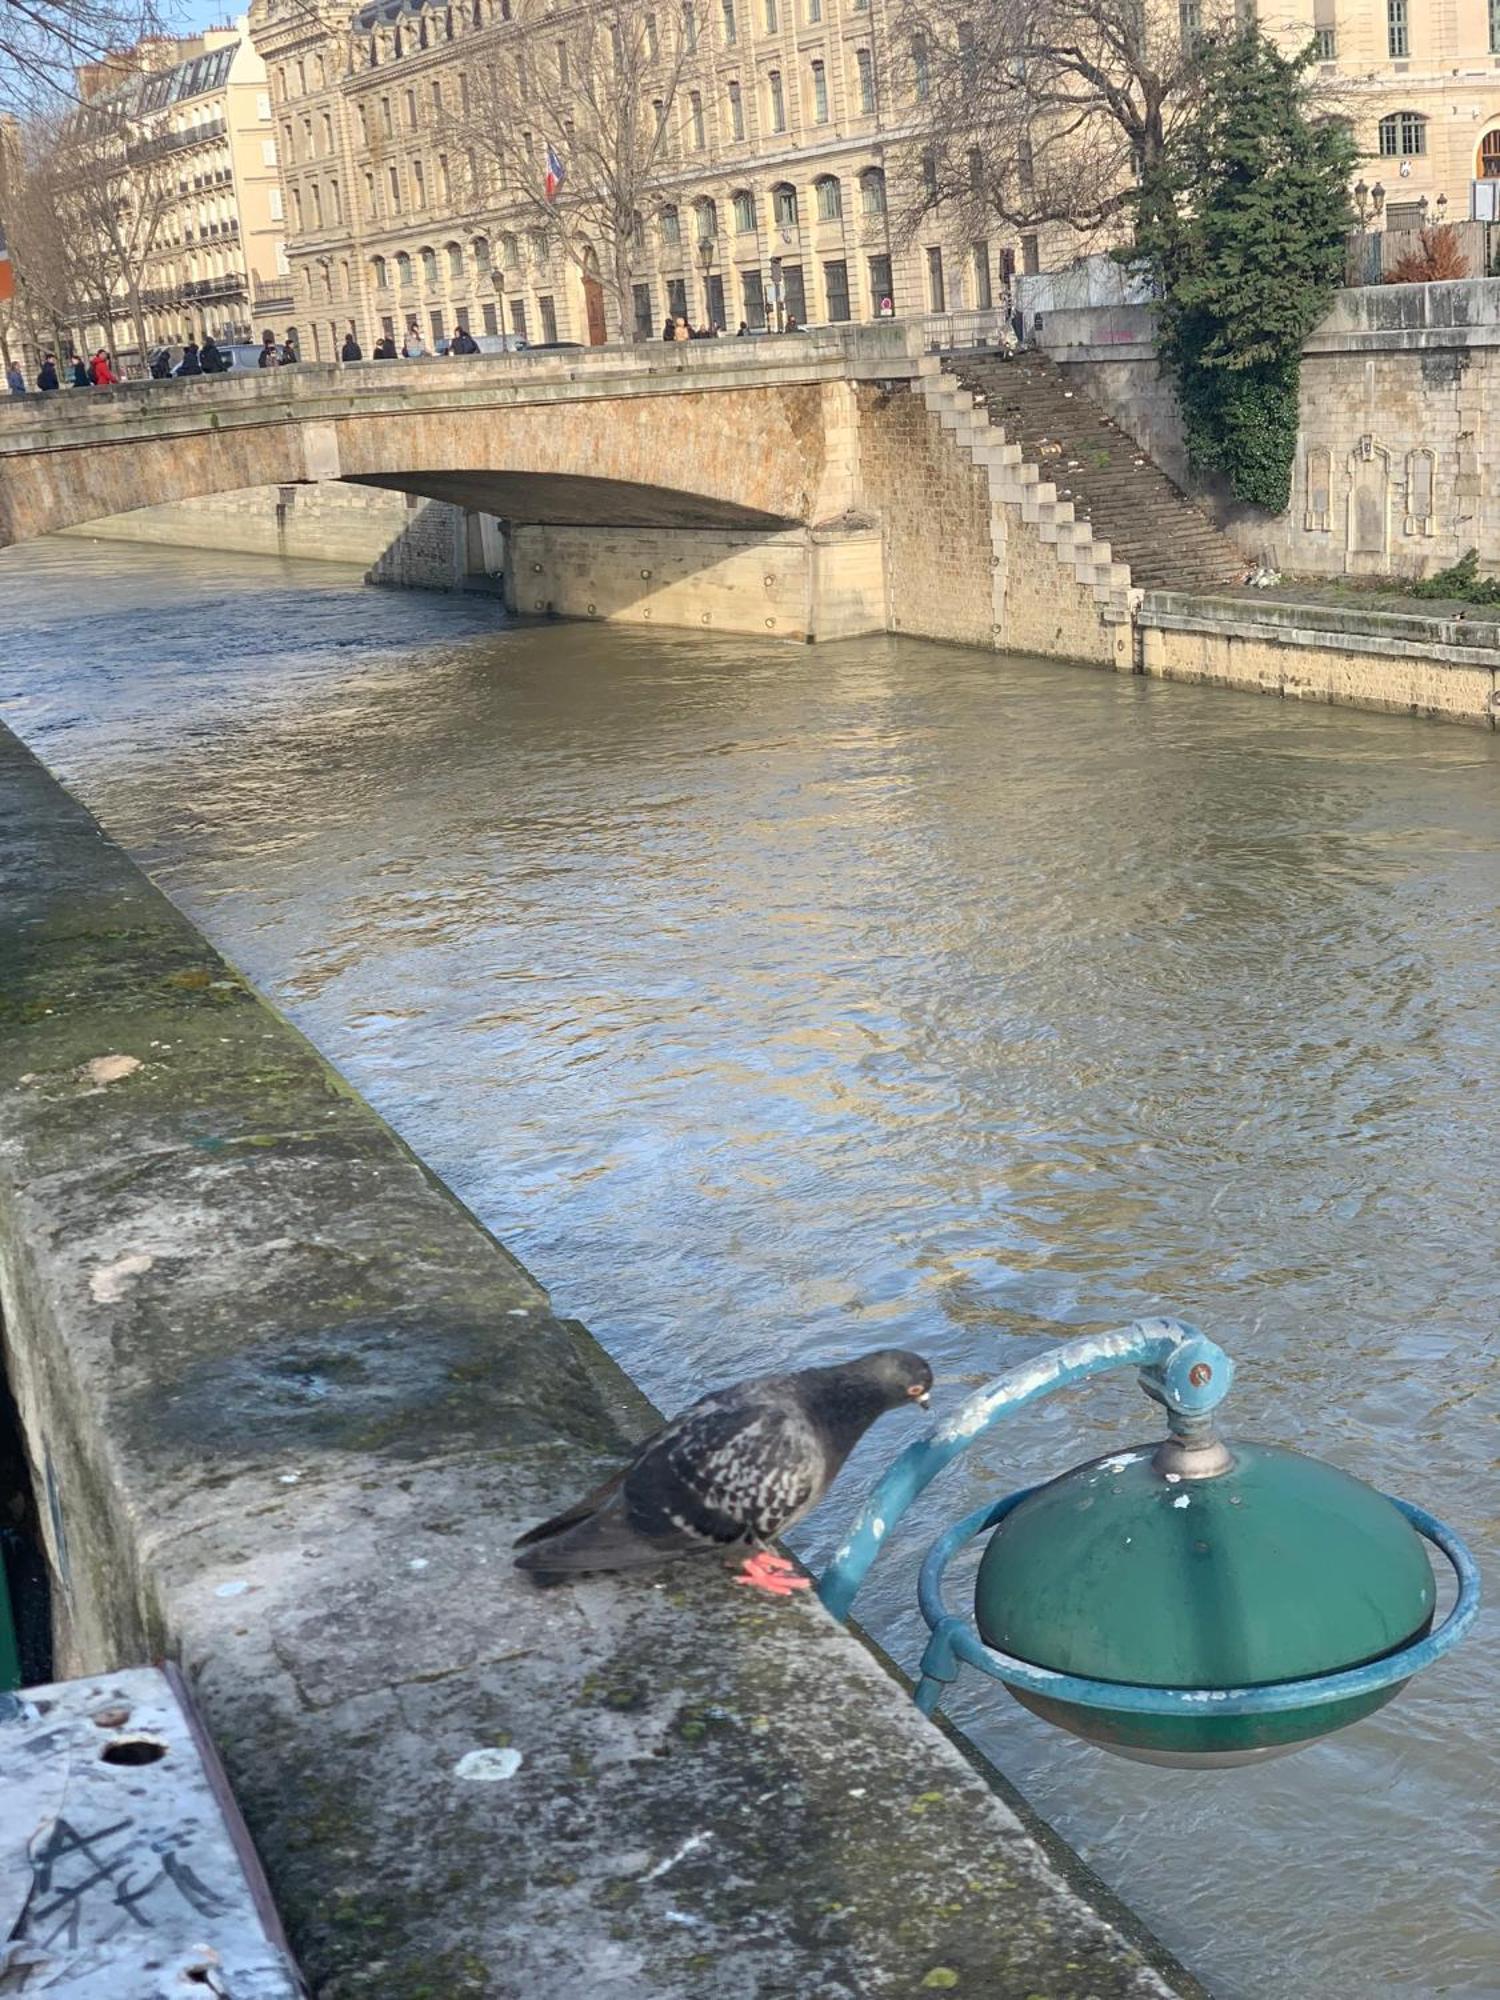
{"x":563,"y":500}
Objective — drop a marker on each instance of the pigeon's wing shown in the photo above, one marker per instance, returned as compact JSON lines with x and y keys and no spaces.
{"x":735,"y":1468}
{"x":571,"y":1516}
{"x":603,"y":1540}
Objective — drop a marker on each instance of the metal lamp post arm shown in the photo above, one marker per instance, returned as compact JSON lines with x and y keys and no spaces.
{"x":1180,"y":1369}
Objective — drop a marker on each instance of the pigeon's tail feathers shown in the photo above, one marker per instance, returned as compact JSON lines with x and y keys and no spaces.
{"x":602,"y":1540}
{"x":570,"y":1516}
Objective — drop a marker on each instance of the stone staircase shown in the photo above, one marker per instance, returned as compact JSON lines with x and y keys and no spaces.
{"x":1015,"y":480}
{"x":1089,"y":464}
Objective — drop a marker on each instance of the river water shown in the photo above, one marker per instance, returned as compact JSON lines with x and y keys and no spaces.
{"x":773,"y":1002}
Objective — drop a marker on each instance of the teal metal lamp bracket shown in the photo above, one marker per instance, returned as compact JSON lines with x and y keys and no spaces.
{"x":1189,"y":1376}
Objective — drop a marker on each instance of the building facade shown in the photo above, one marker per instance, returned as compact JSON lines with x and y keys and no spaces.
{"x":202,"y":132}
{"x":774,"y":200}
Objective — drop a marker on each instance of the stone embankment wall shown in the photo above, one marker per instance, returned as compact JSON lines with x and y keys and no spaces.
{"x":1400,"y":426}
{"x":288,"y":1406}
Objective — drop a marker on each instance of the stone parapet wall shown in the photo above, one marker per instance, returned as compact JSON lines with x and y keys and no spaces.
{"x":289,"y":1405}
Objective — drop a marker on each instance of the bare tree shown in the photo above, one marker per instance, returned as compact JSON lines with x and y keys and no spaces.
{"x":599,"y":89}
{"x":45,"y":44}
{"x":1043,"y":112}
{"x":113,"y":188}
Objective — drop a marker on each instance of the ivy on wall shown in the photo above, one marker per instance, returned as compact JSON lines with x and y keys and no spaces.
{"x":1243,"y":225}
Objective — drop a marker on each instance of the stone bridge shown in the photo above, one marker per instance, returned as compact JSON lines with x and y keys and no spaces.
{"x":816,"y":487}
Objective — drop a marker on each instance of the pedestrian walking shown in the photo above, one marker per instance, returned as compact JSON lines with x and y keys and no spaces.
{"x":100,"y":373}
{"x":351,"y":349}
{"x":15,"y":381}
{"x":80,"y":372}
{"x":47,"y":376}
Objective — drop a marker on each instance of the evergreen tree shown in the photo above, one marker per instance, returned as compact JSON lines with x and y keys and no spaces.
{"x":1244,"y":225}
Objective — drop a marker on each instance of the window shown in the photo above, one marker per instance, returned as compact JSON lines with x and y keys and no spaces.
{"x":820,"y":94}
{"x":677,"y":297}
{"x":652,"y":45}
{"x":865,"y":63}
{"x":491,"y":318}
{"x":968,"y":61}
{"x":736,"y":112}
{"x":411,"y":110}
{"x":929,"y":176}
{"x":546,"y":306}
{"x":395,"y":179}
{"x":1189,"y":21}
{"x":830,"y":199}
{"x":482,"y":255}
{"x":814,"y":12}
{"x":378,"y":271}
{"x":695,"y":119}
{"x":456,"y":262}
{"x":671,"y":229}
{"x":1326,"y":42}
{"x":836,"y":289}
{"x":921,"y":70}
{"x":430,"y":269}
{"x":937,"y":297}
{"x":753,"y":288}
{"x":385,"y":116}
{"x":372,"y":206}
{"x":784,"y":206}
{"x":658,"y":105}
{"x":1398,"y":39}
{"x":731,"y":31}
{"x":277,"y":212}
{"x":437,"y":97}
{"x":1489,"y":156}
{"x":403,"y":270}
{"x":690,"y":29}
{"x":297,"y":209}
{"x":317,"y":206}
{"x":418,"y":185}
{"x":984,"y":296}
{"x":882,"y":298}
{"x":327,"y":133}
{"x":1404,"y":132}
{"x":445,"y":178}
{"x":744,"y":213}
{"x":872,"y":191}
{"x":706,"y":220}
{"x":771,"y":21}
{"x":364,"y":124}
{"x":792,"y":293}
{"x":435,"y":321}
{"x":518,"y":317}
{"x":562,"y":65}
{"x":337,"y":199}
{"x":510,"y":250}
{"x":778,"y":102}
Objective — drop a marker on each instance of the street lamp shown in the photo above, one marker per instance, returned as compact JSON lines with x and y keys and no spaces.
{"x":707,"y":251}
{"x":1442,"y":208}
{"x":1193,"y":1601}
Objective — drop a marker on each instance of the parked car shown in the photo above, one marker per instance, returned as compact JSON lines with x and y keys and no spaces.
{"x":240,"y":354}
{"x":500,"y":343}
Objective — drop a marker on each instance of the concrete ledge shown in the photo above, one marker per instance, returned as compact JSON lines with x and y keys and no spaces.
{"x":289,"y":1405}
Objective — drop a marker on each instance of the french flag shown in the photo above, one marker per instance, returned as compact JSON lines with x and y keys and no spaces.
{"x":555,"y":175}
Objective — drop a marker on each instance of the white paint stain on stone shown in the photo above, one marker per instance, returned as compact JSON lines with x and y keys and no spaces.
{"x":690,"y":1846}
{"x":235,"y":1589}
{"x":109,"y":1281}
{"x":487,"y":1767}
{"x":110,"y":1069}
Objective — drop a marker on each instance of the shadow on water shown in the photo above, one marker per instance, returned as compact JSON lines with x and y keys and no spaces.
{"x":775,"y":1002}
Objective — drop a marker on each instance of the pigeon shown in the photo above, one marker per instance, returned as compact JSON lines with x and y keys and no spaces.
{"x":741,"y":1466}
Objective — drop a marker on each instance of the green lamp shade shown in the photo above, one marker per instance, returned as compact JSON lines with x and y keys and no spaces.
{"x":1281,"y":1568}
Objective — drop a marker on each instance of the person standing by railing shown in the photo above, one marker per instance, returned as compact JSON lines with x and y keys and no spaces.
{"x":15,"y":381}
{"x":47,"y":374}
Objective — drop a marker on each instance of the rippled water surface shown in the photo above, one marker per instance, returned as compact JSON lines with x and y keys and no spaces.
{"x":776,"y":1001}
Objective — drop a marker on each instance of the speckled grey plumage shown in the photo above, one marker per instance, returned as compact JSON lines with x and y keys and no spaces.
{"x":739,"y":1467}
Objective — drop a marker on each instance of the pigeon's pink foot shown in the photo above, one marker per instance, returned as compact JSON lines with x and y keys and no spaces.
{"x":772,"y":1574}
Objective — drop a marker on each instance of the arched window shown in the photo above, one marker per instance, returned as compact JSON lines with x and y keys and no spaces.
{"x":830,"y":198}
{"x":429,"y":267}
{"x":872,"y":191}
{"x":744,"y":212}
{"x":403,"y":269}
{"x":705,"y":219}
{"x":1402,"y":134}
{"x":784,"y":204}
{"x":455,"y":260}
{"x":481,"y":253}
{"x":671,"y":228}
{"x":510,"y":250}
{"x":1489,"y":157}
